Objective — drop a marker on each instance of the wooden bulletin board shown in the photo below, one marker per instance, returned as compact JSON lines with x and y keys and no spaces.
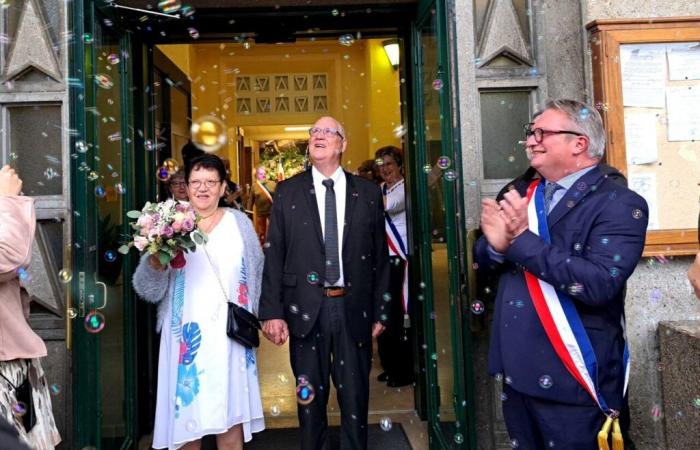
{"x":646,"y":85}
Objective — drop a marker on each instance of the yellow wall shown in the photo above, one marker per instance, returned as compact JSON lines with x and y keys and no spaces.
{"x":384,"y":93}
{"x":363,"y":88}
{"x":179,"y":54}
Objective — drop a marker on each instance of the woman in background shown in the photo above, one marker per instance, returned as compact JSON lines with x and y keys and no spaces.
{"x":207,"y":383}
{"x":177,"y":186}
{"x":394,"y":345}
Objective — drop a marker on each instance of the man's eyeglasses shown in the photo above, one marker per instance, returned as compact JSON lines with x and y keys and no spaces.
{"x":327,"y":132}
{"x":178,"y":184}
{"x":540,"y":133}
{"x":208,"y":183}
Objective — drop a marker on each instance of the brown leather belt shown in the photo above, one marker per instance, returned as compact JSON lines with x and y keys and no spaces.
{"x":333,"y":291}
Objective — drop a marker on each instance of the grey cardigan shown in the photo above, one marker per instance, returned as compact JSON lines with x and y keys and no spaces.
{"x":156,"y":287}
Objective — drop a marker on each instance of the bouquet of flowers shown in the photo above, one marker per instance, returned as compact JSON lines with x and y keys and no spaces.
{"x":166,"y":229}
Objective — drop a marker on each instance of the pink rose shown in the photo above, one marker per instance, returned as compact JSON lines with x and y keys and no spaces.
{"x":140,"y":242}
{"x":188,"y":224}
{"x":166,"y":230}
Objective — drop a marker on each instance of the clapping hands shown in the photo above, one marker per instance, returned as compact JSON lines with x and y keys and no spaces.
{"x":502,"y":222}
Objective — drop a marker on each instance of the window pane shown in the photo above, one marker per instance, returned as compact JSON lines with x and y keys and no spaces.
{"x":502,"y":117}
{"x":35,"y":148}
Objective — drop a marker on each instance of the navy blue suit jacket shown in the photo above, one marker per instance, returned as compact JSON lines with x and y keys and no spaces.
{"x":597,"y":236}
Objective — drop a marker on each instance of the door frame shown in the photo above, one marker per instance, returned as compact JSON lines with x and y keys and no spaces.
{"x":86,"y":290}
{"x":453,"y":196}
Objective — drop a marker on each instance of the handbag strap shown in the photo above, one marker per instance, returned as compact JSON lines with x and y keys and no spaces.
{"x":10,"y":382}
{"x":216,"y":273}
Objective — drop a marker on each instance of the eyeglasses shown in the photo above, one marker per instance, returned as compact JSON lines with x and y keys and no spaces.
{"x":178,"y":184}
{"x":540,"y":133}
{"x":327,"y":132}
{"x":208,"y":183}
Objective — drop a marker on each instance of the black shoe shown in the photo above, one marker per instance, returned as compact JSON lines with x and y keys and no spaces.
{"x":399,"y":382}
{"x":382,"y":377}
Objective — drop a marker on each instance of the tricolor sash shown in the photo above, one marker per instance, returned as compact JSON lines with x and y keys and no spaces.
{"x":562,"y":324}
{"x":398,"y":248}
{"x":264,"y":190}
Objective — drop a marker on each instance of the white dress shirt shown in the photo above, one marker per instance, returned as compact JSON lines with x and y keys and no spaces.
{"x":340,"y":188}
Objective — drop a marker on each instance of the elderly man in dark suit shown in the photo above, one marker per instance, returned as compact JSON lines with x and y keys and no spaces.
{"x":564,"y":245}
{"x":325,"y":283}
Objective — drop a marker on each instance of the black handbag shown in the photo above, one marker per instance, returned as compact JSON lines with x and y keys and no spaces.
{"x":241,"y":325}
{"x":25,"y":402}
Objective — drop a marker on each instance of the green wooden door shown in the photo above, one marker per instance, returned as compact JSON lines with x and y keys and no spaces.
{"x":439,"y":227}
{"x":102,"y":141}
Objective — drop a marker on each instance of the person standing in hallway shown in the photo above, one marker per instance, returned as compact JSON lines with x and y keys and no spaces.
{"x":564,"y":245}
{"x":24,"y":395}
{"x":324,"y":283}
{"x":178,"y":187}
{"x":395,"y":345}
{"x":260,"y":201}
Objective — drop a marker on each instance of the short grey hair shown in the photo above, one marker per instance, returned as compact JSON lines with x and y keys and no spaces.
{"x":586,"y":119}
{"x":341,"y":128}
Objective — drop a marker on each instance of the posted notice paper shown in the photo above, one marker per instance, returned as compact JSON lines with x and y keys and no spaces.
{"x":684,"y":61}
{"x":640,"y":137}
{"x":643,"y":75}
{"x":682,"y":105}
{"x":644,"y":184}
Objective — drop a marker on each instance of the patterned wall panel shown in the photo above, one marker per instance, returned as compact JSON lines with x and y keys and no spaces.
{"x":284,"y":93}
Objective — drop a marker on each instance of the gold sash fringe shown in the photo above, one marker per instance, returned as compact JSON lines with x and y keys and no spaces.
{"x":604,"y":434}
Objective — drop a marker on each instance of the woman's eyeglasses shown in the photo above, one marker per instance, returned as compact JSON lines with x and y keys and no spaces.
{"x":208,"y":183}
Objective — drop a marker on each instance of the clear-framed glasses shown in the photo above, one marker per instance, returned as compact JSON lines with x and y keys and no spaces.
{"x":327,"y":132}
{"x":208,"y":183}
{"x":540,"y":133}
{"x":178,"y":184}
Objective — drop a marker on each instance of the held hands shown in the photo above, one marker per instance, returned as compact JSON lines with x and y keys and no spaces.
{"x":502,"y":222}
{"x":10,"y":183}
{"x":154,"y":262}
{"x":276,"y":331}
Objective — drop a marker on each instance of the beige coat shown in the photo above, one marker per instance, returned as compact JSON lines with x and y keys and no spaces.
{"x":17,"y":225}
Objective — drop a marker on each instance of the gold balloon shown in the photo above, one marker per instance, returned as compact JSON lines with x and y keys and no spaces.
{"x":208,"y":133}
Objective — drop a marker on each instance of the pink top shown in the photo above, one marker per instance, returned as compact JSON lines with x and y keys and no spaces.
{"x":17,"y":224}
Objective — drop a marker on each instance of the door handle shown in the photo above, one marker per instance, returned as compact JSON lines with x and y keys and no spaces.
{"x":104,"y":292}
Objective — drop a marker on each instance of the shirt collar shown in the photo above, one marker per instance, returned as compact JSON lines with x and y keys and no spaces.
{"x":319,"y":177}
{"x":570,"y":179}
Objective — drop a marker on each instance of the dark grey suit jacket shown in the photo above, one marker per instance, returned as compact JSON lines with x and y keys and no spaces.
{"x":295,"y":260}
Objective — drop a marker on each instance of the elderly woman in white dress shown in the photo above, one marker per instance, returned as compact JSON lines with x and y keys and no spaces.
{"x":207,"y":383}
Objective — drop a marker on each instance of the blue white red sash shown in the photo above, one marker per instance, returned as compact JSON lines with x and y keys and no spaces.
{"x":398,"y":248}
{"x":264,"y":190}
{"x":558,"y":313}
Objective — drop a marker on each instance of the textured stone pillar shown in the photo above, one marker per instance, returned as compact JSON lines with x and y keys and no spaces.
{"x":679,"y":354}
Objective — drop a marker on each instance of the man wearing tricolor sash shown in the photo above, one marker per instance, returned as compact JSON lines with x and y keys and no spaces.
{"x":260,"y":201}
{"x":564,"y":244}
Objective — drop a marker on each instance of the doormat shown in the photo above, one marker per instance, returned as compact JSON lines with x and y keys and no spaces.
{"x":288,"y":439}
